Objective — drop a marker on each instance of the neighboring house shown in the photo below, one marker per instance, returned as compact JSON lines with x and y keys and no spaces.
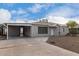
{"x":75,"y":30}
{"x":77,"y":26}
{"x":64,"y":30}
{"x":35,"y":29}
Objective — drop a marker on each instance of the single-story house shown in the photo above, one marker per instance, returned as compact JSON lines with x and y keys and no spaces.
{"x":74,"y":30}
{"x":34,"y":29}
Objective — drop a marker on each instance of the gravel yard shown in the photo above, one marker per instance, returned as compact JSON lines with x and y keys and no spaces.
{"x":67,"y":42}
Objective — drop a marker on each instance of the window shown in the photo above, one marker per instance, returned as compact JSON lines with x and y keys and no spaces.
{"x":42,"y":30}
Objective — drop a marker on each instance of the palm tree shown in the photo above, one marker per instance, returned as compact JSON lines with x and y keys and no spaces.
{"x":71,"y":24}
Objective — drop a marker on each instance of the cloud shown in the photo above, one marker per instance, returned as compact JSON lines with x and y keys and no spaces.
{"x":23,"y":21}
{"x":20,"y":21}
{"x":37,"y":7}
{"x":61,"y":15}
{"x":19,"y":11}
{"x":63,"y":11}
{"x":9,"y":5}
{"x":13,"y":11}
{"x":61,"y":20}
{"x":5,"y":16}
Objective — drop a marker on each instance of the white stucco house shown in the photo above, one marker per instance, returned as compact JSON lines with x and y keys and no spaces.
{"x":35,"y":29}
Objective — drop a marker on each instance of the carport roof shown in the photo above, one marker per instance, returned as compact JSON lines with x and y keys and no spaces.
{"x":50,"y":24}
{"x":18,"y":24}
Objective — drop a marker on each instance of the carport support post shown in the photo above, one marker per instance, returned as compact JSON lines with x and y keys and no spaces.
{"x":7,"y":31}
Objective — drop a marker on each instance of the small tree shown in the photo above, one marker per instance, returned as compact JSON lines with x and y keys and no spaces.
{"x":71,"y":24}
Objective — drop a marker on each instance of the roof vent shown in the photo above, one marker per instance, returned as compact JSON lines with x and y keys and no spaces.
{"x":44,"y":20}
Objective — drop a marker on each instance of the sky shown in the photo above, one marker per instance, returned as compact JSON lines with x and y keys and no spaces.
{"x":29,"y":12}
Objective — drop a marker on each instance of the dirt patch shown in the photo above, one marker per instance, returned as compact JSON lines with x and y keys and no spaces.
{"x":67,"y":42}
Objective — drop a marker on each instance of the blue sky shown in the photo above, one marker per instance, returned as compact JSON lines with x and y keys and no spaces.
{"x":33,"y":11}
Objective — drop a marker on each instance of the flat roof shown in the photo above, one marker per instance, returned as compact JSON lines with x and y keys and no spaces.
{"x":18,"y":24}
{"x":50,"y":24}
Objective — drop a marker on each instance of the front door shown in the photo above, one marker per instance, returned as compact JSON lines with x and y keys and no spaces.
{"x":52,"y":32}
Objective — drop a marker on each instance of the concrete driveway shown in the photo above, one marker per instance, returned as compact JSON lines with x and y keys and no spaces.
{"x":31,"y":47}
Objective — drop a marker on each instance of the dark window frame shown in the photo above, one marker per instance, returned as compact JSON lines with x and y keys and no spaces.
{"x":42,"y":30}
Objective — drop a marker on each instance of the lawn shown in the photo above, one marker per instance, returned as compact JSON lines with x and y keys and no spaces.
{"x":66,"y":42}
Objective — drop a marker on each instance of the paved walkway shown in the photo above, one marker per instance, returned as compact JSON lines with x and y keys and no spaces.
{"x":31,"y":47}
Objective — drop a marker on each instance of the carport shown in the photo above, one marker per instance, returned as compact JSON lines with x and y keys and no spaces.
{"x":18,"y":30}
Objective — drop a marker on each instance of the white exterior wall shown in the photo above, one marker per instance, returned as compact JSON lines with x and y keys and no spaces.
{"x":52,"y":31}
{"x":34,"y":32}
{"x":66,"y":30}
{"x":58,"y":31}
{"x":14,"y":31}
{"x":4,"y":31}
